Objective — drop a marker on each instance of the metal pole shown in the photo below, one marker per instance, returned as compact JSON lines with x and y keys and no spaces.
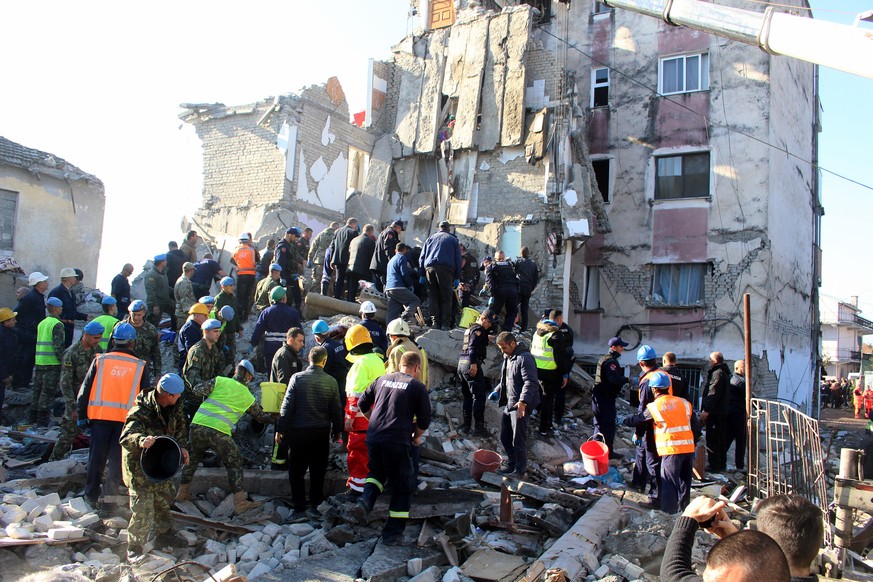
{"x":849,"y":459}
{"x":747,"y":333}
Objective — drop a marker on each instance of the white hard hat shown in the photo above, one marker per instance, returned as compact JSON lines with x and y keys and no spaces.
{"x":398,"y":327}
{"x":244,"y":236}
{"x":36,"y":277}
{"x":68,"y":272}
{"x":368,"y":307}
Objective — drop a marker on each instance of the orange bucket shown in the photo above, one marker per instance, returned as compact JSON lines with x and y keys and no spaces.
{"x":484,"y":461}
{"x":595,"y":456}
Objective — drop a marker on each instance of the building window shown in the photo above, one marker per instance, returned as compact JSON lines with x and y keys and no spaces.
{"x":603,"y":173}
{"x":359,"y":162}
{"x":600,"y":87}
{"x":682,"y":176}
{"x":599,"y":7}
{"x":684,"y":74}
{"x":589,"y":288}
{"x":678,"y":284}
{"x":544,"y":7}
{"x":510,"y":242}
{"x":8,"y":204}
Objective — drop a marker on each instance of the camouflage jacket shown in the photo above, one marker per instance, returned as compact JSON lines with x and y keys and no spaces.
{"x":147,"y":346}
{"x":262,"y":292}
{"x":319,"y":245}
{"x":202,"y":364}
{"x":74,"y":367}
{"x":204,"y":389}
{"x":145,"y":419}
{"x":157,"y":288}
{"x":223,"y":299}
{"x":184,"y":294}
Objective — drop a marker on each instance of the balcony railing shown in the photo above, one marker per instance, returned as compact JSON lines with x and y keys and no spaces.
{"x":856,"y":356}
{"x":855,"y":321}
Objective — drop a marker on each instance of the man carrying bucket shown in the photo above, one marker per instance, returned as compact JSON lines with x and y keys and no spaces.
{"x":155,"y":413}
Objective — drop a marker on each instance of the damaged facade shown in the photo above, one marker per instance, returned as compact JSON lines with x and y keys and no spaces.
{"x":595,"y":137}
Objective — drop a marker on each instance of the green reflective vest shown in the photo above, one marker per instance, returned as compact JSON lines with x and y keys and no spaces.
{"x":542,"y":352}
{"x":224,"y":406}
{"x":362,"y":373}
{"x":108,"y":322}
{"x":45,"y":350}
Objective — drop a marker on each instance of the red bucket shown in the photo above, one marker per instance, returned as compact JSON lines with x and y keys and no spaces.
{"x":484,"y":461}
{"x":595,"y":456}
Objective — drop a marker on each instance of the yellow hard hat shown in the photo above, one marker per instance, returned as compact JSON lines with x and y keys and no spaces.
{"x":6,"y":314}
{"x":200,"y":308}
{"x":357,"y":335}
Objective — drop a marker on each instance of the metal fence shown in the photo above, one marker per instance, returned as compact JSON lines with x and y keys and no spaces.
{"x":786,"y":455}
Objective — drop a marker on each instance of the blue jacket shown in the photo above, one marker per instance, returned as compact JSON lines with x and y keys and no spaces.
{"x":519,"y":380}
{"x":272,"y":325}
{"x":377,"y":334}
{"x":442,"y":249}
{"x":399,"y":274}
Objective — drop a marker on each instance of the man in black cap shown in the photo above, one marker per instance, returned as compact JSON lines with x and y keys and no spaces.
{"x":441,"y":260}
{"x":386,"y":245}
{"x":287,"y":256}
{"x":339,"y":258}
{"x":607,"y":386}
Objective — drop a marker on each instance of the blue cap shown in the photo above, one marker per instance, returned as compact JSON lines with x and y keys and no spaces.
{"x":550,"y":322}
{"x":161,"y":257}
{"x":124,"y":332}
{"x":54,"y":302}
{"x":94,"y":328}
{"x":659,"y":380}
{"x":247,"y":365}
{"x":276,"y":267}
{"x":226,"y":313}
{"x":108,"y":300}
{"x":617,"y":341}
{"x":227,"y":281}
{"x":138,"y":305}
{"x":320,"y":327}
{"x":210,"y":324}
{"x":646,"y":353}
{"x":294,"y":230}
{"x":171,"y":384}
{"x":207,"y":300}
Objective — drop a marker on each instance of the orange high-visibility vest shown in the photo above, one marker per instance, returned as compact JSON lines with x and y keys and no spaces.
{"x":245,"y":260}
{"x":116,"y":384}
{"x":646,"y":375}
{"x":673,"y":434}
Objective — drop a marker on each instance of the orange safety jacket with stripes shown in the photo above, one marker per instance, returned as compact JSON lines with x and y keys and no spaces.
{"x":245,"y":259}
{"x":116,"y":384}
{"x":672,"y":418}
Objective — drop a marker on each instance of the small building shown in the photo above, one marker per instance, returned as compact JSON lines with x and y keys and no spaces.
{"x":842,"y":328}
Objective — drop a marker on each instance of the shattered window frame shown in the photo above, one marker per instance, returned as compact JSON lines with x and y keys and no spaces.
{"x":8,"y":213}
{"x":589,"y":290}
{"x":605,"y":187}
{"x":678,"y":285}
{"x":683,"y":73}
{"x":598,"y":7}
{"x":685,"y":175}
{"x":599,"y":88}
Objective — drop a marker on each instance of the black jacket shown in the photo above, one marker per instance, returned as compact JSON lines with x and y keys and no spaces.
{"x":341,"y":241}
{"x":680,"y":384}
{"x":311,"y":401}
{"x":716,"y":399}
{"x":386,"y":246}
{"x":399,"y":404}
{"x":8,"y":351}
{"x":500,"y":278}
{"x":609,"y":379}
{"x":528,"y":275}
{"x":31,"y":311}
{"x":676,"y":564}
{"x":285,"y":364}
{"x":737,"y":391}
{"x":175,"y":260}
{"x":361,"y":253}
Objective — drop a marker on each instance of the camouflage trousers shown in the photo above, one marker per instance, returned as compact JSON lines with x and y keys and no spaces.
{"x":69,"y":431}
{"x":150,"y":505}
{"x":46,"y":380}
{"x":203,"y":438}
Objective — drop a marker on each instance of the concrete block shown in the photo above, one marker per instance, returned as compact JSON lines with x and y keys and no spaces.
{"x":413,"y":567}
{"x":283,"y":513}
{"x":601,"y":571}
{"x":104,"y":557}
{"x":300,"y":529}
{"x":76,"y":507}
{"x":54,"y":512}
{"x":265,"y":555}
{"x":87,"y":520}
{"x":291,"y":557}
{"x":79,"y":557}
{"x":452,"y":575}
{"x":12,"y":514}
{"x":43,"y":523}
{"x":292,"y":542}
{"x":66,"y":533}
{"x":59,"y":468}
{"x":123,"y":536}
{"x":189,"y":536}
{"x":224,"y":509}
{"x":273,"y":563}
{"x":250,"y":555}
{"x":432,"y":574}
{"x":208,"y":560}
{"x":258,"y":570}
{"x":249,"y":539}
{"x":33,"y":513}
{"x":18,"y":531}
{"x":231,"y":555}
{"x":271,"y":529}
{"x":115,"y":522}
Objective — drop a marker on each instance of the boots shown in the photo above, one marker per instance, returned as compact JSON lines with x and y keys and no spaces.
{"x":465,"y":426}
{"x":184,"y":493}
{"x":241,"y":504}
{"x":480,"y":430}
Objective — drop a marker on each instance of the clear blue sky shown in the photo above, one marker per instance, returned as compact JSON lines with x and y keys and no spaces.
{"x":99,"y":84}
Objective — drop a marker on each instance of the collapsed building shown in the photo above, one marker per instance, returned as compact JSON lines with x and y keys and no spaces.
{"x":657,"y":173}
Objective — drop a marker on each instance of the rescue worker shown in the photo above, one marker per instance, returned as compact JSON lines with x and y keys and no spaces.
{"x":147,"y":346}
{"x":470,"y":276}
{"x":547,"y":349}
{"x":736,"y":419}
{"x":868,"y":401}
{"x":273,"y":323}
{"x":155,"y":413}
{"x":190,"y":333}
{"x":528,"y":274}
{"x":519,"y":393}
{"x":50,"y":348}
{"x":302,"y":254}
{"x":858,"y":398}
{"x":398,"y":408}
{"x":107,"y":393}
{"x":266,"y":259}
{"x":399,"y":283}
{"x":676,"y":430}
{"x":377,"y":333}
{"x":286,"y":257}
{"x":189,"y":246}
{"x":501,"y":281}
{"x":366,"y":367}
{"x":74,"y":367}
{"x":183,"y":292}
{"x":246,"y":259}
{"x":120,"y":289}
{"x":608,"y":382}
{"x":566,"y":334}
{"x":232,"y":326}
{"x":225,"y":400}
{"x":386,"y":246}
{"x":311,"y":417}
{"x":266,"y":285}
{"x":441,"y":260}
{"x":31,"y":311}
{"x":175,"y":260}
{"x":315,"y":257}
{"x":108,"y":320}
{"x":402,"y":342}
{"x":206,"y":272}
{"x":715,"y":405}
{"x":360,"y":254}
{"x":69,"y":313}
{"x":205,"y":362}
{"x":158,"y":293}
{"x":339,"y":259}
{"x":287,"y":360}
{"x":647,"y":463}
{"x":337,"y":367}
{"x":8,"y":352}
{"x":474,"y":384}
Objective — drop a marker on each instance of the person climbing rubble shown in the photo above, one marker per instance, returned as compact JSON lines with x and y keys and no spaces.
{"x":205,"y":362}
{"x":377,"y":332}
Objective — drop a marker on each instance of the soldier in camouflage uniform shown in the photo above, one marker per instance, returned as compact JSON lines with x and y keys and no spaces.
{"x":204,"y":362}
{"x":316,"y":254}
{"x":183,"y":293}
{"x":50,"y":348}
{"x":74,"y":367}
{"x":226,"y":400}
{"x":267,"y":284}
{"x":155,"y":413}
{"x":147,"y":346}
{"x":226,"y":340}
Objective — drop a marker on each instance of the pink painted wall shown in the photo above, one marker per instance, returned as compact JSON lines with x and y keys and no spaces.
{"x":679,"y":234}
{"x":663,"y":339}
{"x":598,"y":130}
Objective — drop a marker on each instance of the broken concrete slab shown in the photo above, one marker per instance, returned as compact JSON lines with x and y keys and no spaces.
{"x":341,"y":565}
{"x":488,"y":565}
{"x":432,"y":574}
{"x":411,"y":80}
{"x":431,"y":93}
{"x":467,"y":115}
{"x":512,"y":127}
{"x":388,"y":563}
{"x":493,"y":83}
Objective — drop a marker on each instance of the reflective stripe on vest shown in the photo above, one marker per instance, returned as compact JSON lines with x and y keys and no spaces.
{"x":542,"y":352}
{"x":362,"y":373}
{"x":646,"y":375}
{"x":223,"y":408}
{"x":45,"y":350}
{"x":245,"y":260}
{"x":275,"y":336}
{"x":673,"y":434}
{"x":108,"y":322}
{"x":116,"y":384}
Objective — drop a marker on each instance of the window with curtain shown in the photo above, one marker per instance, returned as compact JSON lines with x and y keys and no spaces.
{"x":679,"y":284}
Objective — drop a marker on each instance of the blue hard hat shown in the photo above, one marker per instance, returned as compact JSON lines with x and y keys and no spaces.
{"x":646,"y":353}
{"x":94,"y":328}
{"x":137,"y":305}
{"x":247,"y":365}
{"x":108,"y":300}
{"x":53,"y":302}
{"x":171,"y":384}
{"x":320,"y":327}
{"x":160,"y":257}
{"x":276,"y":267}
{"x":210,"y":324}
{"x":207,"y":300}
{"x":294,"y":230}
{"x":659,"y":380}
{"x":226,"y":313}
{"x":227,"y":281}
{"x":124,"y":332}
